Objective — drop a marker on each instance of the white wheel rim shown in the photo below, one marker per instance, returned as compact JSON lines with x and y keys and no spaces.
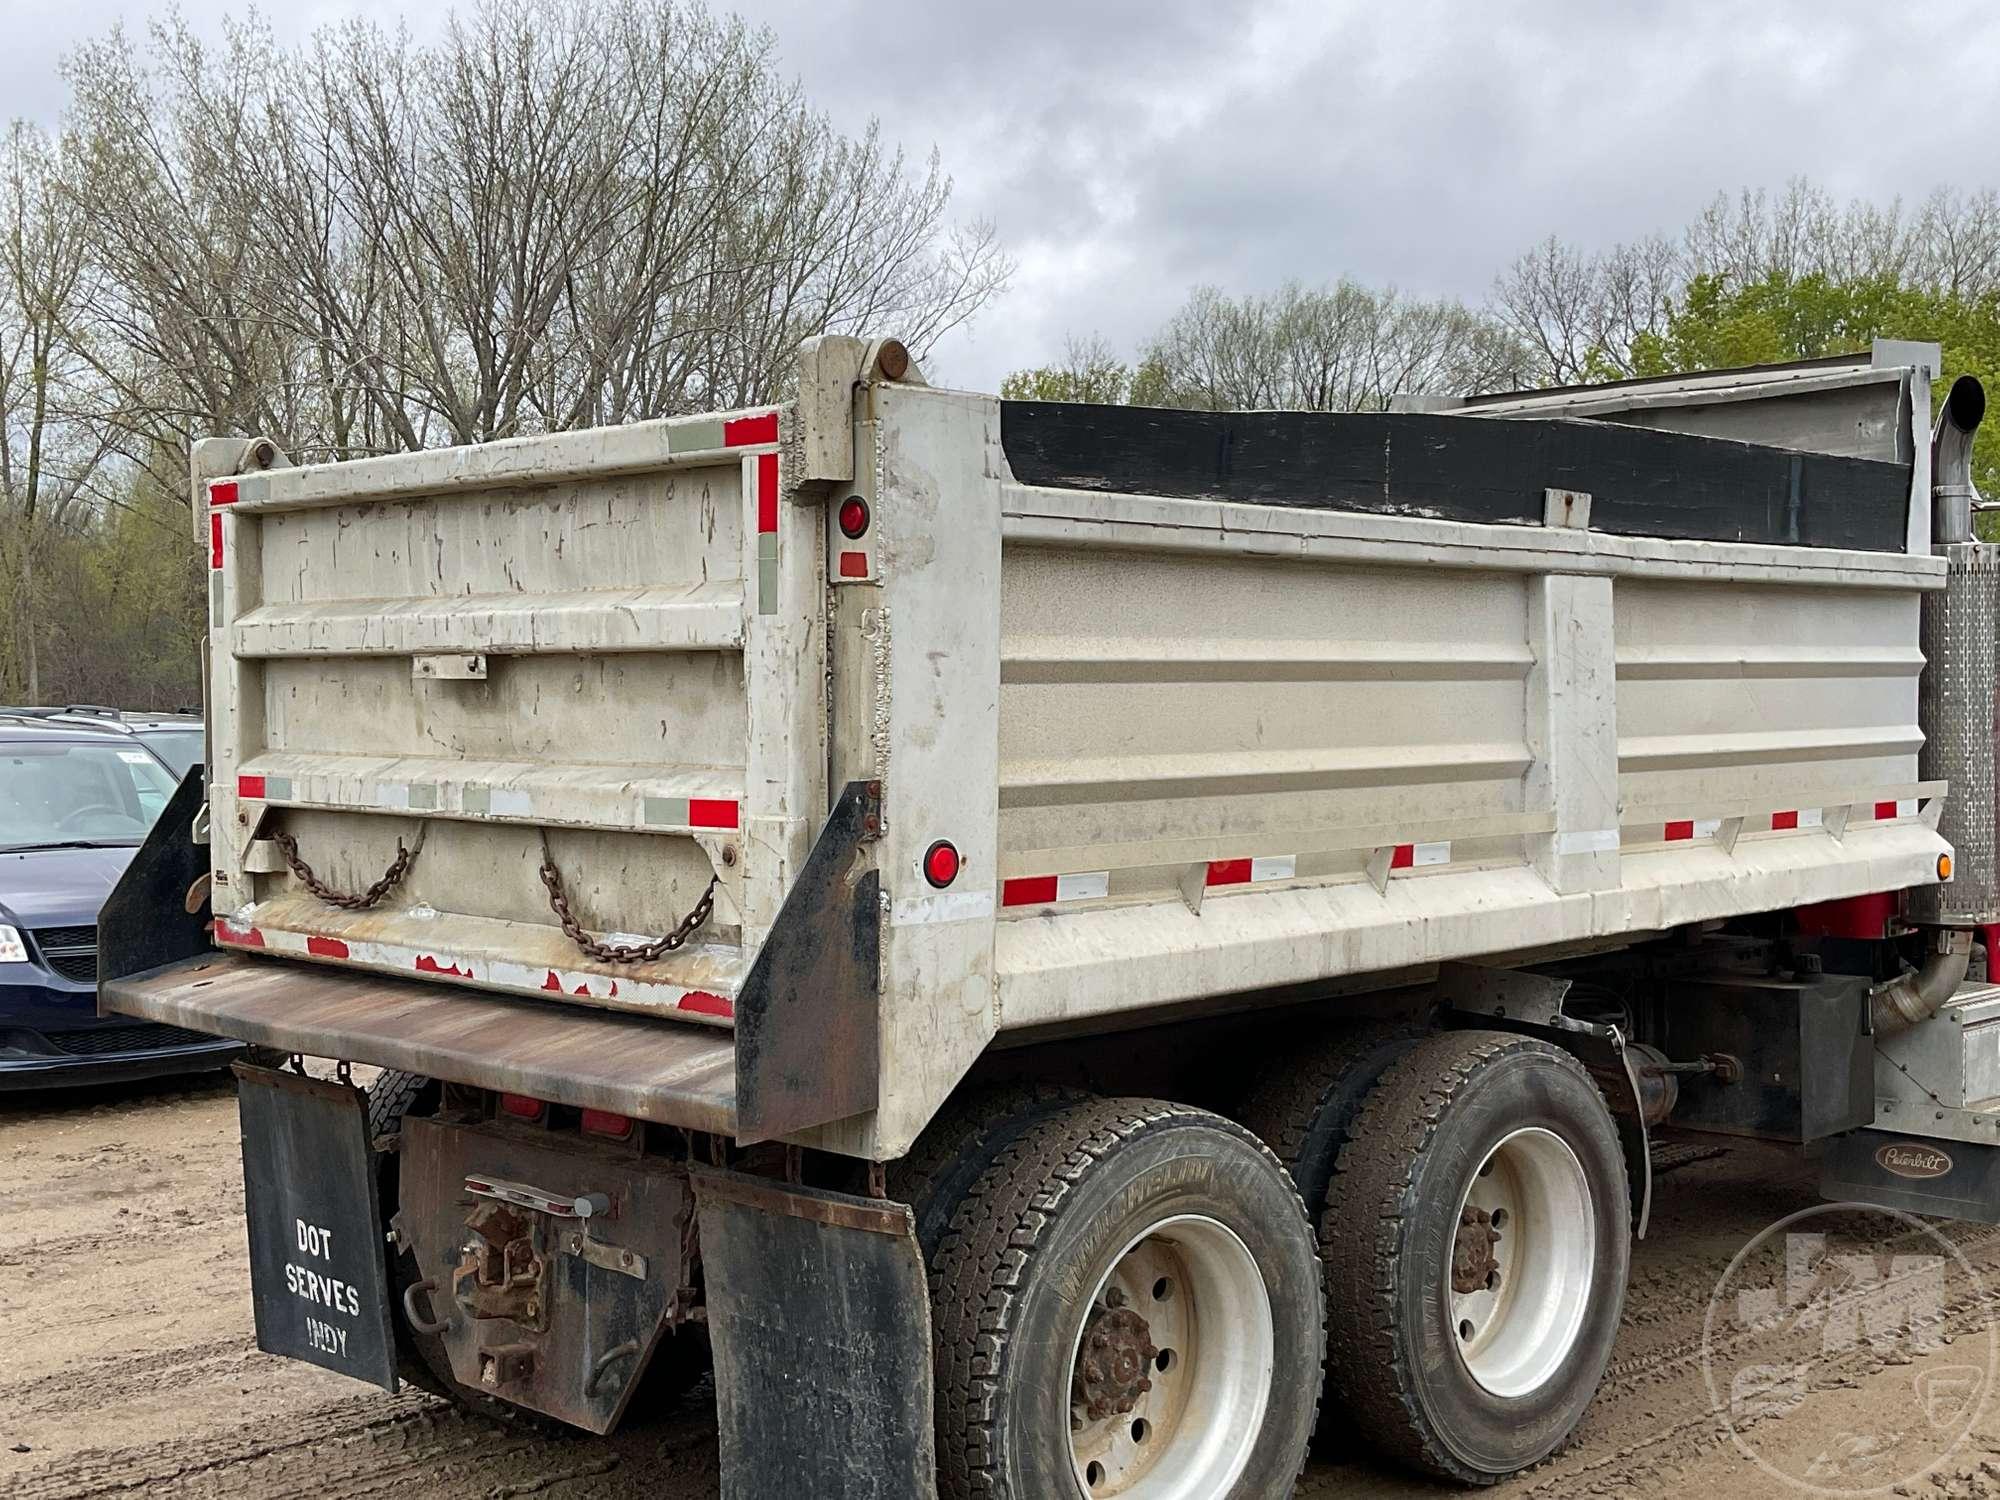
{"x":1207,"y":1315}
{"x":1515,"y":1331}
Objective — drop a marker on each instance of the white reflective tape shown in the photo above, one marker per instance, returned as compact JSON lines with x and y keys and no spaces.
{"x":1587,"y":841}
{"x":1430,"y":854}
{"x":503,"y":802}
{"x":1274,"y":867}
{"x":1907,"y":808}
{"x":1085,"y":887}
{"x":1707,"y":828}
{"x":941,"y":906}
{"x":389,"y":794}
{"x":1809,"y":817}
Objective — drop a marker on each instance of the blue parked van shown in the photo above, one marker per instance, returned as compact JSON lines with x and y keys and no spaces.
{"x":75,"y":802}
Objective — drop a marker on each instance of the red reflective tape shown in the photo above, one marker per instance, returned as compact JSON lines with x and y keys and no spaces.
{"x":1885,"y":809}
{"x":707,"y":812}
{"x":428,"y":965}
{"x":702,"y":1003}
{"x":552,"y":983}
{"x":214,"y":540}
{"x":250,"y":786}
{"x":1681,"y":830}
{"x":222,"y":492}
{"x":744,"y":431}
{"x":1784,"y":820}
{"x":1029,"y":890}
{"x":1228,"y":872}
{"x":854,"y":565}
{"x":325,"y":947}
{"x":1404,"y":857}
{"x":767,"y":491}
{"x":241,"y":937}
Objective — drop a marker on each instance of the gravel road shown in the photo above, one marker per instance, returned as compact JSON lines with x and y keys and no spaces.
{"x":127,"y":1364}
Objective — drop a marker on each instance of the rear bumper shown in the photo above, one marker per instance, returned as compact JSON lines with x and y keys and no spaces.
{"x":665,"y":1071}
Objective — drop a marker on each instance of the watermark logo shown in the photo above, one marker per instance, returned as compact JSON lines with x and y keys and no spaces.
{"x":1831,"y":1298}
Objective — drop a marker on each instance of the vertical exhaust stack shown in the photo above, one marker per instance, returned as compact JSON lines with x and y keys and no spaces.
{"x":1952,"y":493}
{"x":1955,"y":706}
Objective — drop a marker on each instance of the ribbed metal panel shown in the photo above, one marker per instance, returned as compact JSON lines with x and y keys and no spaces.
{"x":1955,"y":707}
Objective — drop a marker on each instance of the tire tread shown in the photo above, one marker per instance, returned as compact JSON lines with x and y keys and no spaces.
{"x":1370,"y":1204}
{"x":989,"y":1249}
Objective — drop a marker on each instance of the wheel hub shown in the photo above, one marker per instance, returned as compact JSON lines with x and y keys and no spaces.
{"x":1475,"y":1262}
{"x":1112,"y":1363}
{"x":1171,"y":1366}
{"x":1522,"y":1262}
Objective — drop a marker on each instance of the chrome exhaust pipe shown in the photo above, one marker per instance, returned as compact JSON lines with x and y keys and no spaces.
{"x":1913,"y":998}
{"x":1952,"y":494}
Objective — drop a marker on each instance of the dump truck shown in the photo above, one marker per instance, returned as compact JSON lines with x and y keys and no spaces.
{"x":1069,"y":950}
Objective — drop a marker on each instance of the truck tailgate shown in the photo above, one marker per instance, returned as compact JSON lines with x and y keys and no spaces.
{"x":592,"y":656}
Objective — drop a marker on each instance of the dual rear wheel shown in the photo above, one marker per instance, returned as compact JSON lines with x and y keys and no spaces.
{"x":1130,"y":1298}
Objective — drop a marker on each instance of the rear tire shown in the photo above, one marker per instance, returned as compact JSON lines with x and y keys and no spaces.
{"x":1304,"y":1110}
{"x":973,"y":1128}
{"x":1477,"y":1240}
{"x":1127,"y":1303}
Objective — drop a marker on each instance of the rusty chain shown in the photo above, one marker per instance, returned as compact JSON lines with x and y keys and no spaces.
{"x":355,"y":900}
{"x":620,"y":953}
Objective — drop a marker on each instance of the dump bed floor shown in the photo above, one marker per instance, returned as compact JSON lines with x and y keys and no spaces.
{"x":678,"y":1075}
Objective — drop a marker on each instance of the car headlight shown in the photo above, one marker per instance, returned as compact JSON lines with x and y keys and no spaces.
{"x":12,"y":949}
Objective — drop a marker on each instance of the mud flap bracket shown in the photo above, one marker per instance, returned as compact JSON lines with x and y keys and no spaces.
{"x":1474,"y":995}
{"x":820,"y":1319}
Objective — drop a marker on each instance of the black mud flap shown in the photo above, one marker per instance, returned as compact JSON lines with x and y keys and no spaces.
{"x":157,"y":914}
{"x":317,"y":1271}
{"x":809,"y":1011}
{"x":1945,"y":1179}
{"x":820,"y":1318}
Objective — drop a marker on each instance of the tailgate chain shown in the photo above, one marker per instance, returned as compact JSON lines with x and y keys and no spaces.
{"x":620,"y":953}
{"x":357,"y":901}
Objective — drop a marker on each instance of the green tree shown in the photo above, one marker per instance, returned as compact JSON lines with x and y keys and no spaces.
{"x":1088,"y":371}
{"x":1714,"y":325}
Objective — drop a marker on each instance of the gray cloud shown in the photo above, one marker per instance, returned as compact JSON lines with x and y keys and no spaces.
{"x":1130,"y":150}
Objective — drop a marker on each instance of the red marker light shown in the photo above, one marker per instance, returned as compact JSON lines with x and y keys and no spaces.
{"x":941,"y":864}
{"x":604,"y":1122}
{"x":853,"y":517}
{"x":521,"y":1107}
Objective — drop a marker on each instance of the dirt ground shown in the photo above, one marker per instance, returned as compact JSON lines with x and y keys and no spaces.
{"x":127,"y":1364}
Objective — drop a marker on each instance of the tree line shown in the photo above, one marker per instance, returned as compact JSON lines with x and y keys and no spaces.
{"x":565,"y":213}
{"x":556,"y":215}
{"x":1753,"y":278}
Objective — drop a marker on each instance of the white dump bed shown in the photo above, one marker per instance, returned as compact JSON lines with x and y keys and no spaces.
{"x":1264,"y":722}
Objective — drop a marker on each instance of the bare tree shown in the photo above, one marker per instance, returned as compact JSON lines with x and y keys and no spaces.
{"x":51,"y":438}
{"x":1580,"y":311}
{"x":1343,"y":347}
{"x":557,"y":215}
{"x":1089,"y":370}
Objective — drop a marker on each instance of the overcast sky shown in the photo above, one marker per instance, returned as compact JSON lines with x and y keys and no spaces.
{"x":1129,"y":149}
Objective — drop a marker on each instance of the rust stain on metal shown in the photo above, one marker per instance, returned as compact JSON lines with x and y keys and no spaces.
{"x":834,"y":1209}
{"x":893,"y":359}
